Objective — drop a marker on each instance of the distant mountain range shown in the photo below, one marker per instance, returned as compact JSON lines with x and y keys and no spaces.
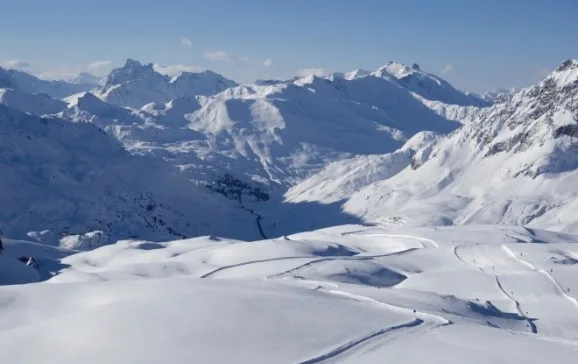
{"x":392,"y":146}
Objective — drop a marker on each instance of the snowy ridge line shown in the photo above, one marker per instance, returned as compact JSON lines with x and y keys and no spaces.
{"x":419,"y":239}
{"x":548,"y":275}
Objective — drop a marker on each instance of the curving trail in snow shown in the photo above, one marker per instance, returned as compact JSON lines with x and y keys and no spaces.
{"x":547,"y":275}
{"x":430,"y":242}
{"x":232,"y":266}
{"x":357,"y":347}
{"x":313,"y":263}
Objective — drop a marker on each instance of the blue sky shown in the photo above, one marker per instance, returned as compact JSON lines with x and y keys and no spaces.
{"x":476,"y":45}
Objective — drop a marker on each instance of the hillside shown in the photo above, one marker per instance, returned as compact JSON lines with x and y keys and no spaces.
{"x":50,"y":192}
{"x":513,"y":163}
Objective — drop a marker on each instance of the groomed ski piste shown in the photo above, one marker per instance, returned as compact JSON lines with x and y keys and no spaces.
{"x":346,"y":294}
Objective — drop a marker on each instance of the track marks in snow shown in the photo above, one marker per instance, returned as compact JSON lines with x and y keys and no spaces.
{"x":518,"y":307}
{"x":546,"y":274}
{"x":421,"y":240}
{"x":317,"y":261}
{"x":217,"y":270}
{"x":528,"y":287}
{"x":357,"y":346}
{"x":484,"y":256}
{"x":422,"y":322}
{"x":313,"y":263}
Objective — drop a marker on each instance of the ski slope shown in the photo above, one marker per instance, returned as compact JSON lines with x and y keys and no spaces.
{"x":347,"y":294}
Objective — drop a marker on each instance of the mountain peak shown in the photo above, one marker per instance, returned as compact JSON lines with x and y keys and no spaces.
{"x":132,"y":70}
{"x":565,"y":74}
{"x":87,"y":78}
{"x":567,"y":64}
{"x":131,"y":63}
{"x":396,"y":69}
{"x":6,"y":79}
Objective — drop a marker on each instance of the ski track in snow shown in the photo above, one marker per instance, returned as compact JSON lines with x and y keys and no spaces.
{"x":418,"y":238}
{"x":499,"y":285}
{"x":214,"y":271}
{"x":377,"y":338}
{"x":381,"y":337}
{"x":310,"y":265}
{"x":528,"y":268}
{"x":370,"y":340}
{"x":518,"y":307}
{"x":325,"y":259}
{"x":548,"y":275}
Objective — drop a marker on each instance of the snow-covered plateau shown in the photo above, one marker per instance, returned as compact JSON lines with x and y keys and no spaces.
{"x":355,"y":217}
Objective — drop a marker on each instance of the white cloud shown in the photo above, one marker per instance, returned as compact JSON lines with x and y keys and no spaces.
{"x":99,"y":68}
{"x":305,"y":72}
{"x":220,"y":56}
{"x":58,"y":74}
{"x":176,"y":69}
{"x":449,"y":68}
{"x":187,"y":42}
{"x":16,"y":64}
{"x":267,"y":62}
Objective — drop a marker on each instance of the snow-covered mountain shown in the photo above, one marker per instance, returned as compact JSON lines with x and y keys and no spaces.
{"x":497,"y":93}
{"x":428,"y":85}
{"x":6,"y":79}
{"x":513,"y":163}
{"x":367,"y":145}
{"x":379,"y":149}
{"x":274,"y":133}
{"x":86,"y":78}
{"x":36,"y":104}
{"x":67,"y":179}
{"x":56,"y":89}
{"x":135,"y":85}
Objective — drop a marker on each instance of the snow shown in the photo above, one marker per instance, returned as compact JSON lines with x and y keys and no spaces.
{"x":427,"y":85}
{"x":86,"y":78}
{"x":98,"y":187}
{"x":450,"y":223}
{"x":272,"y":134}
{"x":56,"y":89}
{"x":37,"y":104}
{"x":6,"y":79}
{"x":513,"y":163}
{"x":135,"y":85}
{"x":342,"y":294}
